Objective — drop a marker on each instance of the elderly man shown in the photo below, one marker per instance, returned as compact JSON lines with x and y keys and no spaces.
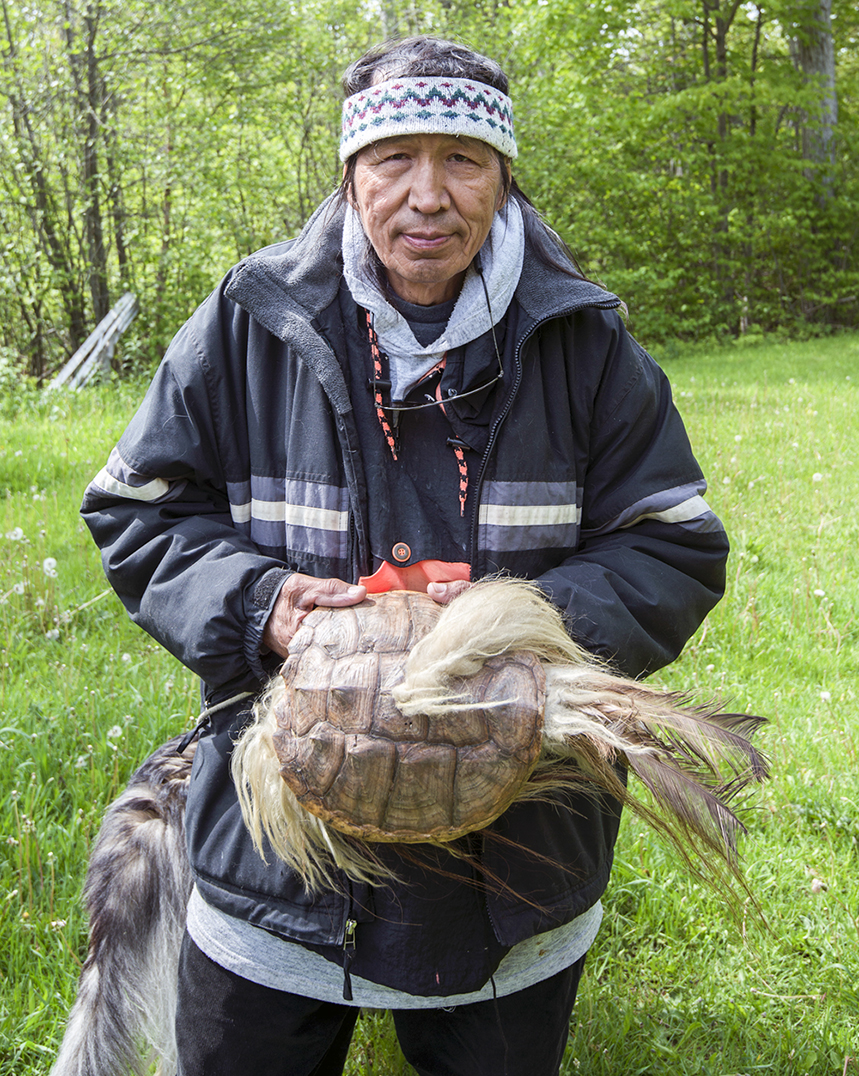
{"x":419,"y":390}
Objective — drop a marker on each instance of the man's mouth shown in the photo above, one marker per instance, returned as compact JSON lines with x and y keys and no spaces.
{"x":425,"y":240}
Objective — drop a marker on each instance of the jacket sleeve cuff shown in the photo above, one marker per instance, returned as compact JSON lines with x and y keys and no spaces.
{"x":263,"y":596}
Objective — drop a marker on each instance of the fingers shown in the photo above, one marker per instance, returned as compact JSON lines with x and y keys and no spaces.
{"x":340,"y":595}
{"x":305,"y":591}
{"x":446,"y":592}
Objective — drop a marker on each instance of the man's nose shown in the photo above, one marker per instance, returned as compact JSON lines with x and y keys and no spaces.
{"x":428,"y":193}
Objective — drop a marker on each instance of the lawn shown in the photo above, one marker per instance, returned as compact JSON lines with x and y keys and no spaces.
{"x":674,"y":984}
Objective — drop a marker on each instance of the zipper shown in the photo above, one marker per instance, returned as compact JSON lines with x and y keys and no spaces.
{"x":348,"y":957}
{"x":349,"y":928}
{"x":493,"y":433}
{"x":354,"y":571}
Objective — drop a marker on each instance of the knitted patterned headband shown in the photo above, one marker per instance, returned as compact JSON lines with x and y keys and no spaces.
{"x":431,"y":105}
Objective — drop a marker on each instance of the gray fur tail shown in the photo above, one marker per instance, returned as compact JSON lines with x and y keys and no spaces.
{"x":136,"y":892}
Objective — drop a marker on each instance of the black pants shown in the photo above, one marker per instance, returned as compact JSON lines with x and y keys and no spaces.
{"x":228,"y":1026}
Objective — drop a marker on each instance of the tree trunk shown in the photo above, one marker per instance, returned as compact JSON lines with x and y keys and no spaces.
{"x":97,"y":258}
{"x":115,"y":195}
{"x":815,"y":52}
{"x":717,"y":21}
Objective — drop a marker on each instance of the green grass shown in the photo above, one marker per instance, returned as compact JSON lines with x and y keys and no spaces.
{"x":674,"y":985}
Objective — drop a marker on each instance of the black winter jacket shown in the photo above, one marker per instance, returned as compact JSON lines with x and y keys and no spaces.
{"x":242,"y":464}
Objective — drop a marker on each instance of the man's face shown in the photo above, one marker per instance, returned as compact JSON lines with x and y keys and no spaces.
{"x":426,"y":202}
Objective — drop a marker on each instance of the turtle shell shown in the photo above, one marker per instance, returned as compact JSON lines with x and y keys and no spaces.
{"x":353,"y":759}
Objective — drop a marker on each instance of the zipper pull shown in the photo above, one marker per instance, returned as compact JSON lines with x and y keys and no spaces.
{"x":348,"y":957}
{"x":349,"y":939}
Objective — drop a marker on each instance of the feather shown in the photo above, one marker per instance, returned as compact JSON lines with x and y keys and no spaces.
{"x":693,"y":759}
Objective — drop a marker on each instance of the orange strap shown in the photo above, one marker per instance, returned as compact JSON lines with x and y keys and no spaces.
{"x":390,"y":434}
{"x":390,"y":437}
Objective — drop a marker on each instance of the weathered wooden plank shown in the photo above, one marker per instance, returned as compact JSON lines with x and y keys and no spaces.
{"x":95,"y":353}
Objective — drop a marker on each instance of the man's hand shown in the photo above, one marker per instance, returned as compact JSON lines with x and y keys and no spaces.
{"x":446,"y":592}
{"x":298,"y":595}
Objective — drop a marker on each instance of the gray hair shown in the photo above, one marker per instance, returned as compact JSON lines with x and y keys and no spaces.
{"x":416,"y":57}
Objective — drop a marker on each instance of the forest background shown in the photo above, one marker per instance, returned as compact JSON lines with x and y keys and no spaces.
{"x":698,"y":155}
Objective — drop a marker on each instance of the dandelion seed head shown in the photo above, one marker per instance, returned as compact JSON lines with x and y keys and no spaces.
{"x":15,"y":535}
{"x":826,"y":696}
{"x":114,"y":732}
{"x":818,"y":593}
{"x":19,"y":588}
{"x":53,"y":634}
{"x":817,"y":477}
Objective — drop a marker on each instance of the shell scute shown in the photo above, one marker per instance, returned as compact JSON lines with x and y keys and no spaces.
{"x":459,"y":728}
{"x":483,"y":777}
{"x":424,"y":617}
{"x":422,"y":791}
{"x":358,"y":794}
{"x":310,"y":764}
{"x":518,"y":682}
{"x":352,"y":694}
{"x":391,"y":722}
{"x":336,"y":631}
{"x":385,"y":626}
{"x":308,"y":677}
